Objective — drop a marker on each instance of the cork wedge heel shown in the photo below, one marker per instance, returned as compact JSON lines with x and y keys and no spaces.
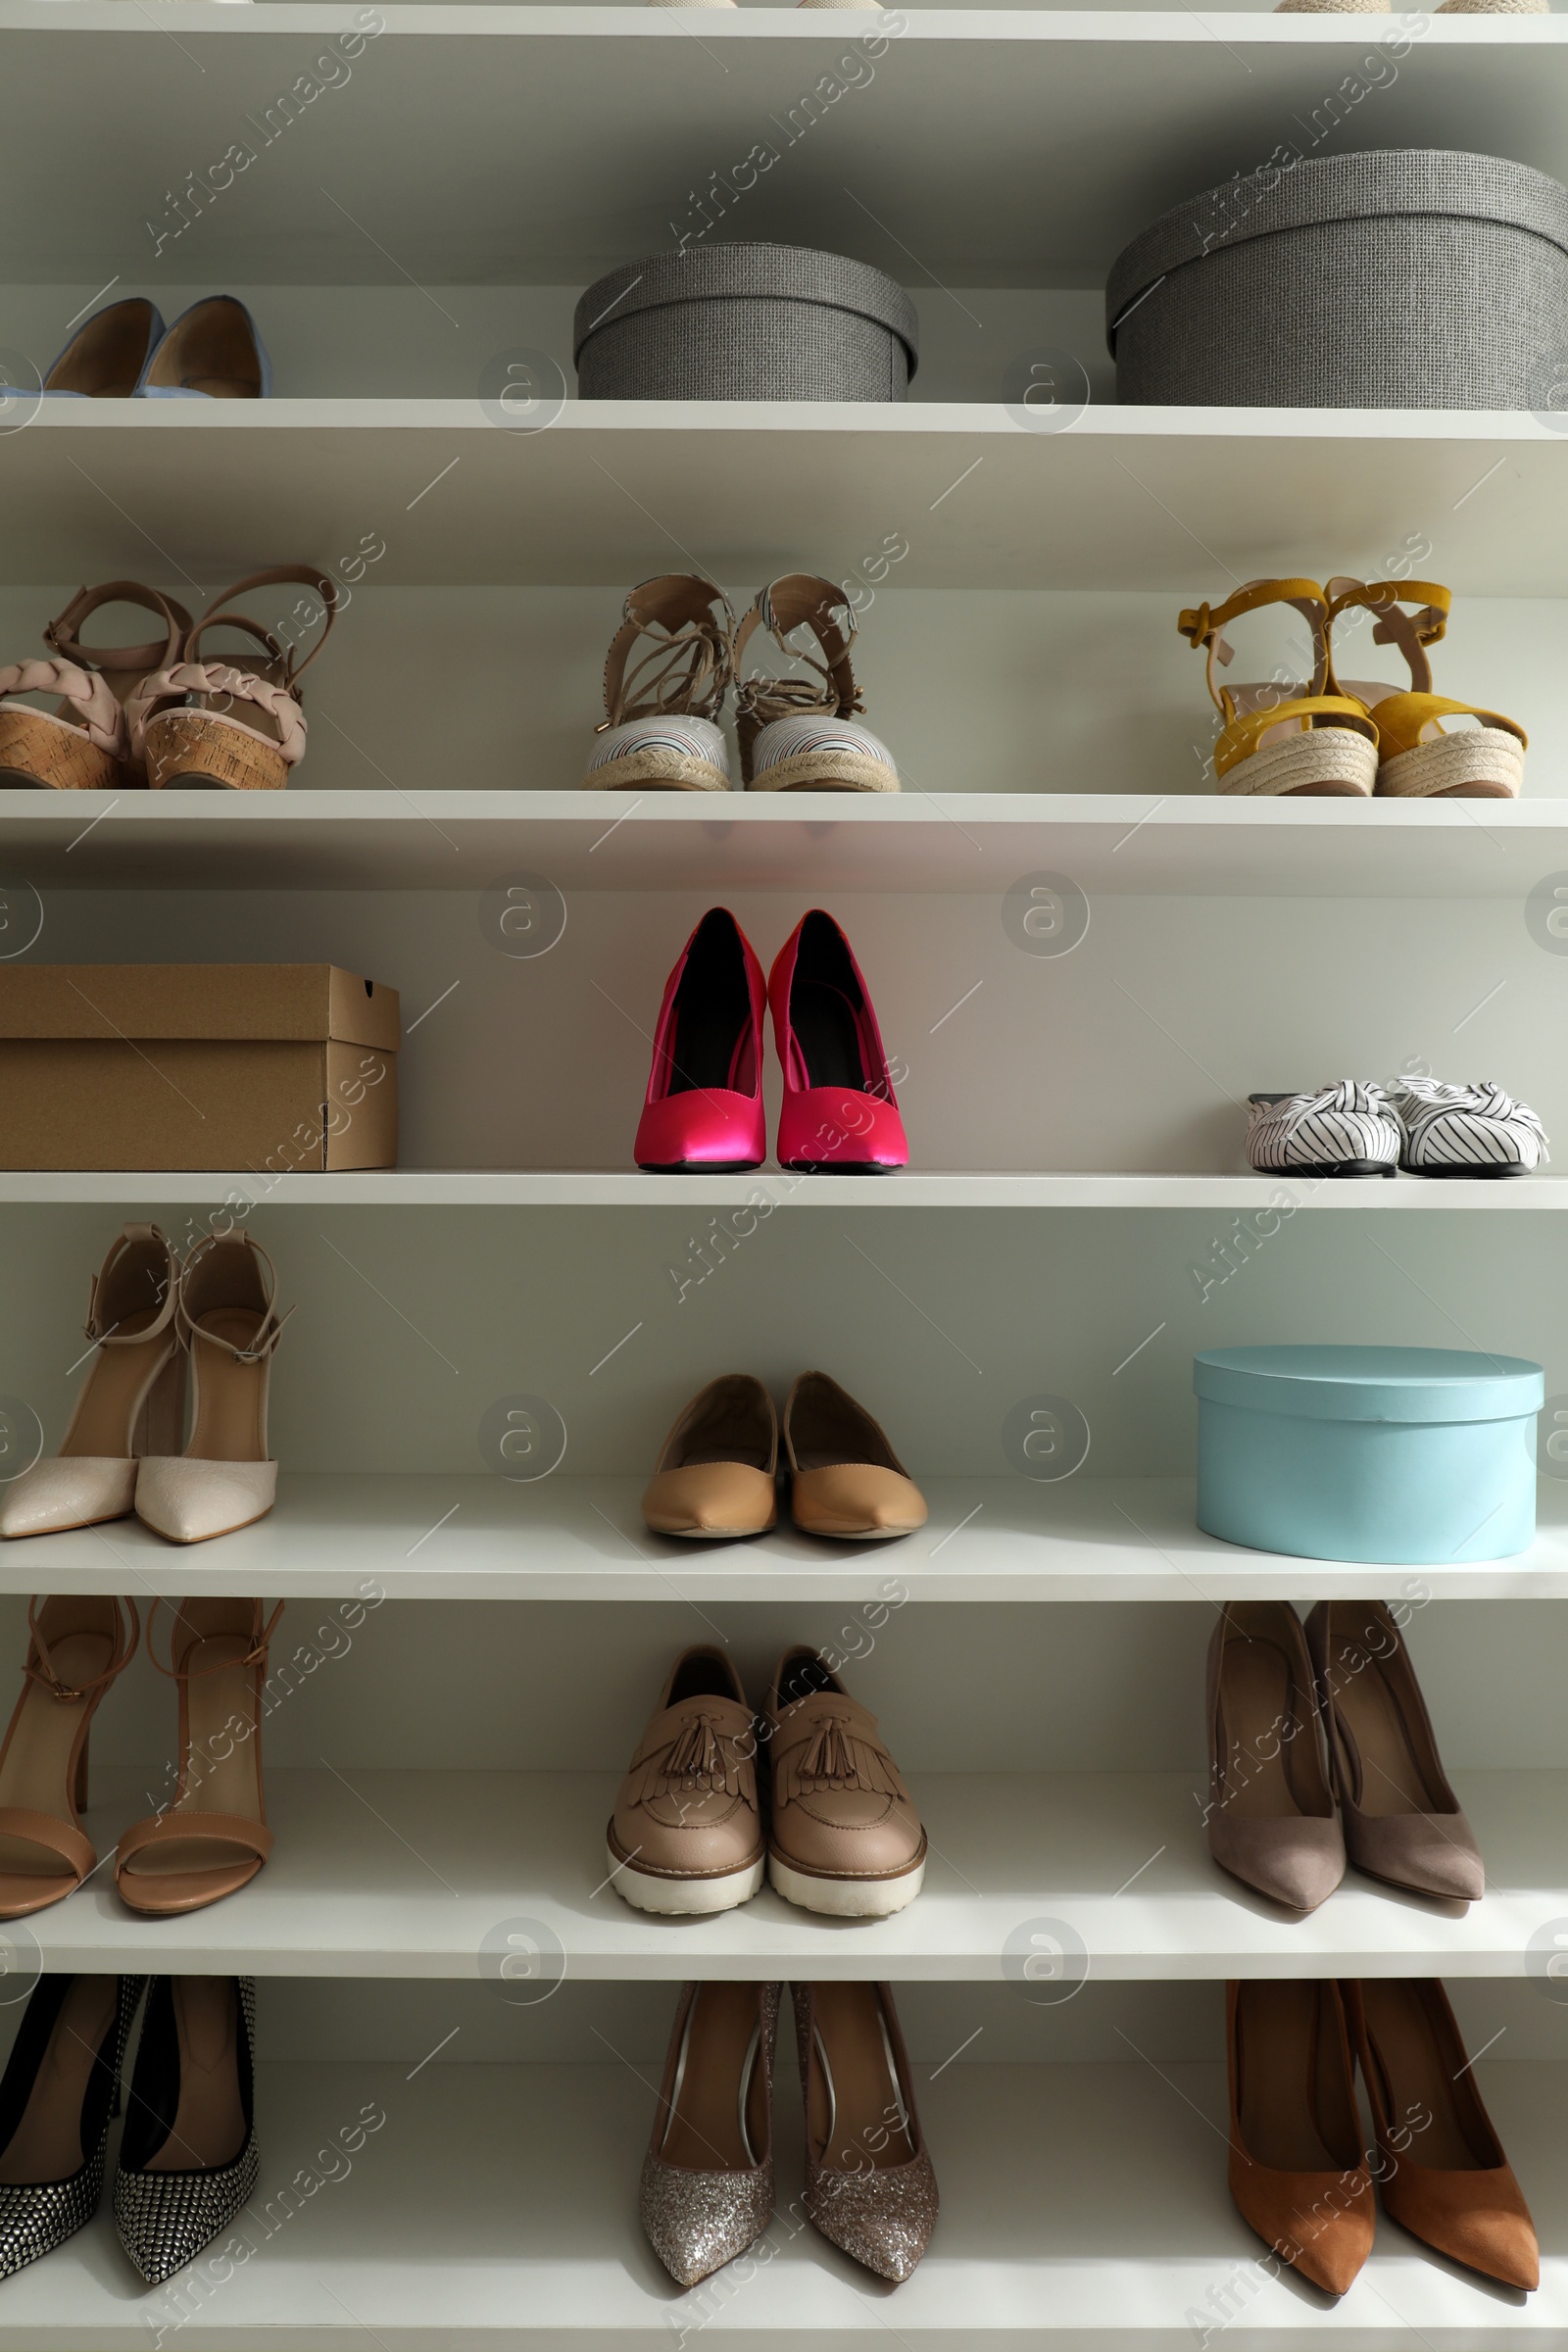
{"x":232,"y":722}
{"x":83,"y":743}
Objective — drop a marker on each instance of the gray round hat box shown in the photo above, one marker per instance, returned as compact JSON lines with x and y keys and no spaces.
{"x":745,"y":323}
{"x":1405,"y":278}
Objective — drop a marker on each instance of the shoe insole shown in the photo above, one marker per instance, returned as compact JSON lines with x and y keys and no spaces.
{"x":712,"y":1046}
{"x":213,"y":353}
{"x":1415,"y":2078}
{"x":111,"y":1398}
{"x":111,"y":353}
{"x":728,"y":1432}
{"x":704,"y":2133}
{"x":827,"y":1036}
{"x":209,"y":2126}
{"x":223,"y":1768}
{"x":46,"y":2144}
{"x":856,"y":2109}
{"x":1279,"y":2030}
{"x":34,"y":1775}
{"x":1374,"y":1728}
{"x":230,"y":1397}
{"x":1255,"y":1701}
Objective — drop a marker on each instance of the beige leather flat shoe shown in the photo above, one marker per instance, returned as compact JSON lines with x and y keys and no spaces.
{"x":78,"y":1643}
{"x":686,"y":1835}
{"x":846,"y":1838}
{"x":214,"y":1837}
{"x":718,"y":1471}
{"x":845,"y":1478}
{"x":229,"y":1324}
{"x":132,"y":1399}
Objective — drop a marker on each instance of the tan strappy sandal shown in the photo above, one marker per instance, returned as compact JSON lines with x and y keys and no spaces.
{"x":78,"y":1645}
{"x":797,"y":733}
{"x":1279,"y":739}
{"x":213,"y":1839}
{"x":1418,"y":759}
{"x":229,"y":1325}
{"x":83,"y":744}
{"x":131,"y":1402}
{"x":666,"y":674}
{"x":231,"y":721}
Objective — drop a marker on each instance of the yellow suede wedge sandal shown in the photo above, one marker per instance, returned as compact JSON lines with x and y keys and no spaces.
{"x":1418,"y":758}
{"x":1279,"y":738}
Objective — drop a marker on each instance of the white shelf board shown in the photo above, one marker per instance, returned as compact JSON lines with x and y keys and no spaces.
{"x":1083,"y":2208}
{"x":404,"y":1874}
{"x":960,"y":841}
{"x":565,"y":1538}
{"x":1153,"y":499}
{"x":906,"y":1188}
{"x":1003,"y":147}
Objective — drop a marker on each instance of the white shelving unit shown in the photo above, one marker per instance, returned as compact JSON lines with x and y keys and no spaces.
{"x":466,"y":1661}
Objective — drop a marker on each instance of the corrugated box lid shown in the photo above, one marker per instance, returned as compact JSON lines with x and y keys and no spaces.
{"x":278,"y":1000}
{"x":1439,"y":181}
{"x":1372,"y":1384}
{"x":781,"y":272}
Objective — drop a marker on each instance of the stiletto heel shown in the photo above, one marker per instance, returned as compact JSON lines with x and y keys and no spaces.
{"x":839,"y":1115}
{"x":80,"y":1645}
{"x":188,"y":2159}
{"x":870,"y":2186}
{"x":214,"y":1837}
{"x":60,"y":2091}
{"x":229,"y":1325}
{"x":130,"y":1319}
{"x":708,"y":2179}
{"x":702,"y":1112}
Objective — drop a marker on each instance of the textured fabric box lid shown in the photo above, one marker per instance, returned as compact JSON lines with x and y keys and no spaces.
{"x":278,"y":1001}
{"x":1439,"y":181}
{"x":1372,"y":1384}
{"x":769,"y":273}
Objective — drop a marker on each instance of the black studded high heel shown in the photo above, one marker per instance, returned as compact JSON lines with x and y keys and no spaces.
{"x":187,"y":2155}
{"x":61,"y":2087}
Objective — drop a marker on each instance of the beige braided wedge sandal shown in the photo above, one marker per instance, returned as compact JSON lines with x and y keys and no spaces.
{"x":798,"y":734}
{"x":83,"y":744}
{"x":231,"y":721}
{"x":666,"y":673}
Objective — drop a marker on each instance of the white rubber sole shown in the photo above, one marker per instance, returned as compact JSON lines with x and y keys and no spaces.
{"x":847,"y":1898}
{"x":1323,"y":761}
{"x":684,"y":1898}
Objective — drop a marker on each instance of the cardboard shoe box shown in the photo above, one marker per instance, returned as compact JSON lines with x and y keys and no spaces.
{"x":276,"y":1067}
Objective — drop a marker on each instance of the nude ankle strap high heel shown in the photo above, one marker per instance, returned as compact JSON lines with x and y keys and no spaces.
{"x":132,"y":1399}
{"x":214,"y":1837}
{"x":229,"y":1326}
{"x":78,"y":1644}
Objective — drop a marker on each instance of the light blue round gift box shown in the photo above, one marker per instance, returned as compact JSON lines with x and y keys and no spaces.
{"x":1405,"y":1457}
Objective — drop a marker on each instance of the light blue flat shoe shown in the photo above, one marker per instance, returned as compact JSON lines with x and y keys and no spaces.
{"x":105,"y":360}
{"x":211,"y":352}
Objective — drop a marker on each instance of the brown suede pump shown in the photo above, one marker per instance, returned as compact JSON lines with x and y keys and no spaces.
{"x":1443,"y":2172}
{"x":1297,"y":2165}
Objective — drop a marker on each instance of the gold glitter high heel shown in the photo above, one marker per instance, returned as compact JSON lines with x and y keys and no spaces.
{"x":708,"y":2177}
{"x":870,"y":2186}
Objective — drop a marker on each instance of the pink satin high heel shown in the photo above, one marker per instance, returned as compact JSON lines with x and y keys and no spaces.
{"x":839,"y":1114}
{"x":703,"y":1113}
